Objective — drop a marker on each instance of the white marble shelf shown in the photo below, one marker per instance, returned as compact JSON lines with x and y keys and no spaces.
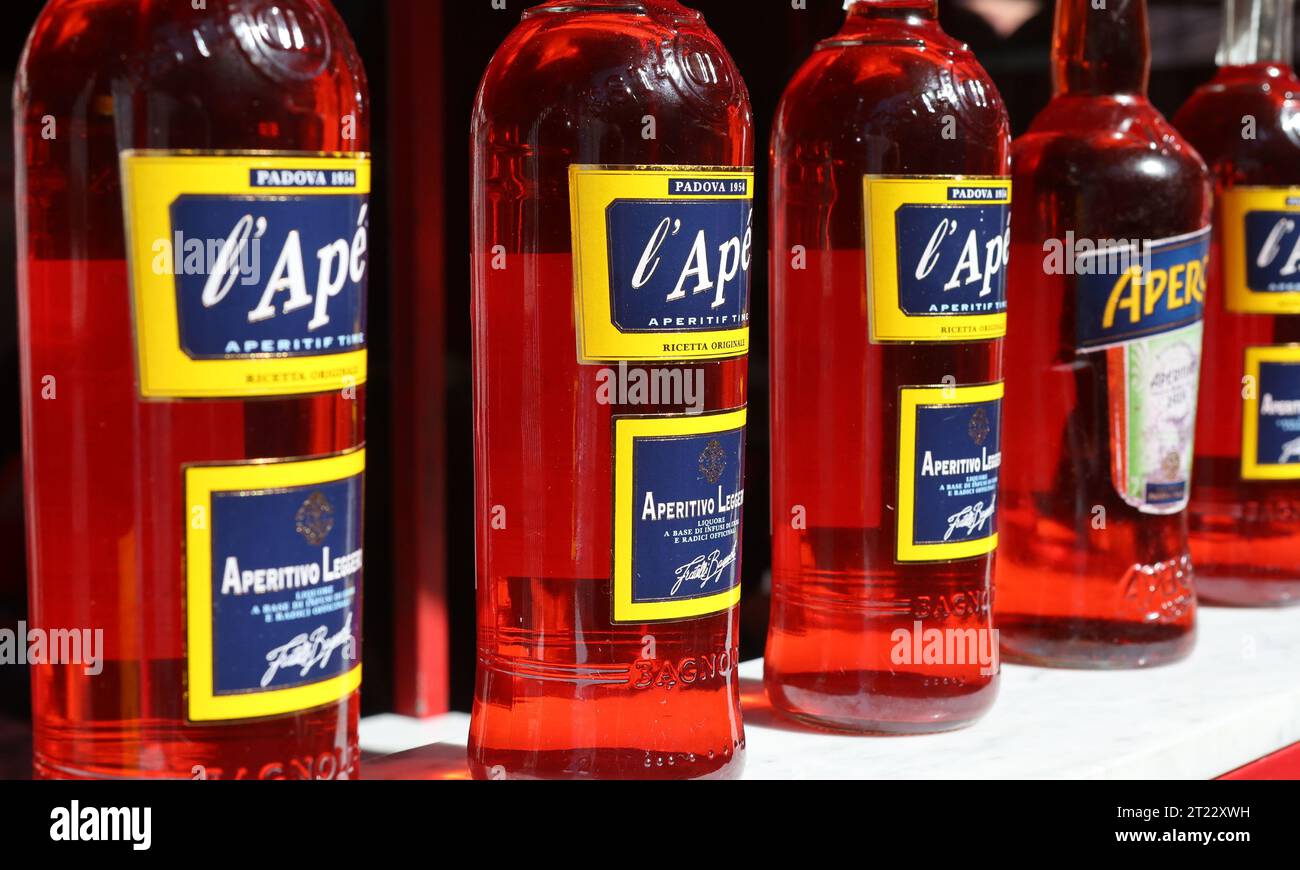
{"x":1234,"y":701}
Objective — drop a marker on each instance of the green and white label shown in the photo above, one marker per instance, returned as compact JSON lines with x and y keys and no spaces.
{"x":1153,"y":391}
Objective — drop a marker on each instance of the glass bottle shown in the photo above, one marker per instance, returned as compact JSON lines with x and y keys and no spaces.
{"x":1110,"y":236}
{"x":890,"y":209}
{"x":1245,"y":513}
{"x":186,"y":178}
{"x":612,"y":198}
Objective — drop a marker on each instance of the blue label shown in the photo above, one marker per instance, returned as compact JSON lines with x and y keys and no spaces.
{"x":1279,"y":413}
{"x":958,"y":458}
{"x":1273,"y":252}
{"x":271,"y":277}
{"x":688,"y":492}
{"x":680,"y":266}
{"x":286,"y":586}
{"x":1131,"y":292}
{"x":1161,"y":494}
{"x":952,"y":258}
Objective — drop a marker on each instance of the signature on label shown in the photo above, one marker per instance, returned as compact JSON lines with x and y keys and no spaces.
{"x":971,"y":519}
{"x":1290,"y":452}
{"x":307,"y":651}
{"x":705,"y":569}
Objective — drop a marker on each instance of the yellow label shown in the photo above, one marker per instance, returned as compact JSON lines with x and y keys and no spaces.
{"x":949,"y":465}
{"x":678,"y":498}
{"x":1270,"y":422}
{"x":662,"y":260}
{"x":248,"y":272}
{"x":1261,"y":249}
{"x":273,"y":557}
{"x":937,"y":253}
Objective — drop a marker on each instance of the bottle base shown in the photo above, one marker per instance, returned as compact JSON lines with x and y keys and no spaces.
{"x":852,"y":703}
{"x":1093,"y":644}
{"x":603,"y":764}
{"x":1229,"y":591}
{"x":317,"y":744}
{"x":325,"y":767}
{"x":45,"y":768}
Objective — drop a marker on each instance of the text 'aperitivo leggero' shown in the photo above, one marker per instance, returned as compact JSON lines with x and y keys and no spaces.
{"x":612,"y":244}
{"x":193,"y":195}
{"x":1110,"y":242}
{"x":1245,"y":512}
{"x":891,"y":202}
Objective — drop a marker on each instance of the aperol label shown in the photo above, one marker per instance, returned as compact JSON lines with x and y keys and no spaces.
{"x":1142,"y":304}
{"x":1130,"y":291}
{"x":1270,"y":447}
{"x":1154,"y":384}
{"x":1261,"y":249}
{"x":949,"y":466}
{"x":273,"y":565}
{"x":662,"y":260}
{"x":679,"y":490}
{"x":937,"y":252}
{"x":248,"y":272}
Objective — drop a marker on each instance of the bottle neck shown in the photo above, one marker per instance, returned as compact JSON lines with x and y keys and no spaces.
{"x":863,"y":11}
{"x":870,"y":21}
{"x":635,"y":7}
{"x":1104,"y":50}
{"x":1257,"y":32}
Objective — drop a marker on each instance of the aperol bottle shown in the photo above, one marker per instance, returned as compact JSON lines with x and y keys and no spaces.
{"x":612,"y":243}
{"x":192,"y":188}
{"x":891,"y":194}
{"x":1245,"y":514}
{"x":1110,"y":237}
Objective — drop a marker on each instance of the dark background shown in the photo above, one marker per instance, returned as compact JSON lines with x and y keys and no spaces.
{"x":769,"y":39}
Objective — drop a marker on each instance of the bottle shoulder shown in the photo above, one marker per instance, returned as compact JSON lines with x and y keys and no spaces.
{"x":1093,"y":133}
{"x":584,"y":67}
{"x":177,"y":64}
{"x":1110,"y":166}
{"x":923,"y":97}
{"x":1248,"y":132}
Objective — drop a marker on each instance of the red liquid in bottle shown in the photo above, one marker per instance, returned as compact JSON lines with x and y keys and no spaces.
{"x":105,"y":468}
{"x":608,"y":102}
{"x":1245,"y":514}
{"x":1094,"y":569}
{"x":891,"y":101}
